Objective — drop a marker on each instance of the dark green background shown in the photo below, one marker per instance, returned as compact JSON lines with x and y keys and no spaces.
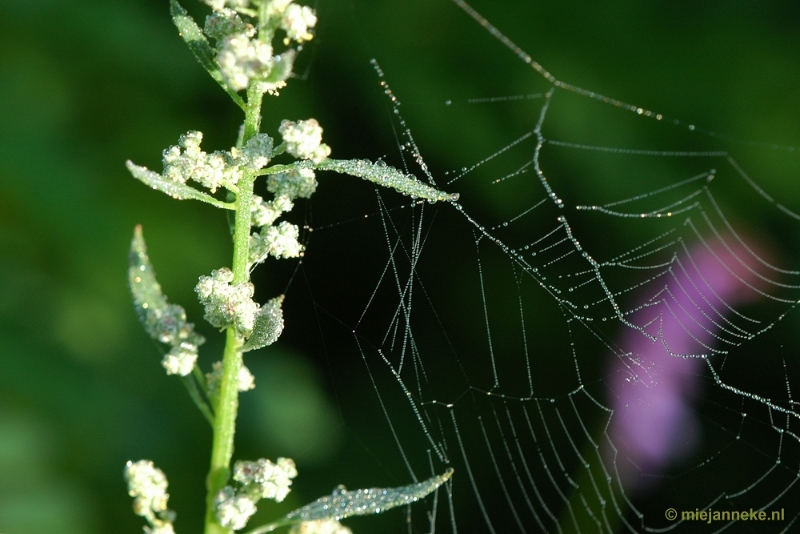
{"x":86,"y":85}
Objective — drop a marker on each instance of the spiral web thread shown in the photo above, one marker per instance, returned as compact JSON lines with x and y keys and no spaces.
{"x":534,"y":400}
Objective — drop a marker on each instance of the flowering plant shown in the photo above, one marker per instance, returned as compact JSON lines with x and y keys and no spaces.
{"x":243,"y":58}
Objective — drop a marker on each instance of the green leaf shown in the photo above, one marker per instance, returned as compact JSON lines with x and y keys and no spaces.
{"x":162,"y":321}
{"x":387,"y":176}
{"x":342,"y":503}
{"x":268,"y":327}
{"x":151,"y":305}
{"x":191,"y":33}
{"x":173,"y":189}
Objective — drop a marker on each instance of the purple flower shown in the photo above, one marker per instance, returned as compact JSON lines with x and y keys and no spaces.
{"x":684,"y":318}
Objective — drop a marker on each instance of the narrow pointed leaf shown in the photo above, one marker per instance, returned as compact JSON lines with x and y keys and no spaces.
{"x":268,"y":327}
{"x":162,"y":321}
{"x":148,"y":300}
{"x":387,"y":176}
{"x":173,"y":189}
{"x":344,"y":503}
{"x":191,"y":33}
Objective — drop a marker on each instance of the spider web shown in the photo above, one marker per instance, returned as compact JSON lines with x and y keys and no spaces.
{"x":585,"y":358}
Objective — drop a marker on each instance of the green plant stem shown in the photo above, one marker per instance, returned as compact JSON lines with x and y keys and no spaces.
{"x":227,"y":403}
{"x":252,"y":115}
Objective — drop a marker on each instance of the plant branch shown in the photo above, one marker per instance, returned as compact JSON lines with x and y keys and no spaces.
{"x":227,"y":403}
{"x":194,"y":392}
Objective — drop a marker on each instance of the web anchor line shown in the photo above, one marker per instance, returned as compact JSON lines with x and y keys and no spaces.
{"x":638,"y":110}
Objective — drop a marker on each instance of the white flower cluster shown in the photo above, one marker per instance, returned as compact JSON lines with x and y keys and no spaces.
{"x":169,"y":326}
{"x":297,"y":183}
{"x":244,"y":54}
{"x":213,"y":379}
{"x":257,"y":480}
{"x":187,"y":161}
{"x":329,"y":526}
{"x":227,"y":304}
{"x":256,"y":152}
{"x":191,"y":163}
{"x":180,"y":360}
{"x":242,"y":58}
{"x":147,"y":484}
{"x":304,"y":140}
{"x":269,"y":480}
{"x":277,"y":7}
{"x":218,"y":5}
{"x":264,"y":212}
{"x":279,"y":241}
{"x":233,"y":510}
{"x":296,"y":22}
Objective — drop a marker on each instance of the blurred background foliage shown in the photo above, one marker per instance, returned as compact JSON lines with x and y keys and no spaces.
{"x":85,"y":86}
